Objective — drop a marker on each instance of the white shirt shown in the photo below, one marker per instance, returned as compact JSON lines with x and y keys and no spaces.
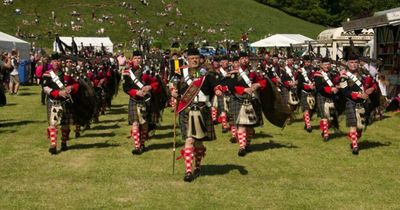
{"x":382,"y":87}
{"x":14,"y":64}
{"x":372,"y":70}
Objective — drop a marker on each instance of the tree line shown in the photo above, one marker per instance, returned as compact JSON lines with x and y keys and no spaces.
{"x":331,"y":12}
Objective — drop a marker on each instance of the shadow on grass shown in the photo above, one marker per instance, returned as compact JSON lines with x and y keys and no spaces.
{"x":262,"y":135}
{"x":166,"y":127}
{"x":18,"y":123}
{"x":7,"y":131}
{"x":112,"y":121}
{"x":27,"y":94}
{"x":117,"y":111}
{"x":105,"y":127}
{"x":315,"y":128}
{"x":377,"y":120}
{"x":165,"y":146}
{"x":270,"y":145}
{"x":212,"y":170}
{"x":99,"y":134}
{"x":164,"y":135}
{"x":94,"y":145}
{"x":364,"y":145}
{"x":337,"y":135}
{"x":117,"y":105}
{"x":297,"y":120}
{"x":10,"y":104}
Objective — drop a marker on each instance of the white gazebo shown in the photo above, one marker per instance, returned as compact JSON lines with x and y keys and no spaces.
{"x":8,"y":42}
{"x":96,"y":42}
{"x":281,"y":40}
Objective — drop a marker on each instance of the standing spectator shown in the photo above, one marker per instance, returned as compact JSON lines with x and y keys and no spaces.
{"x":121,"y":62}
{"x":33,"y":67}
{"x":5,"y":63}
{"x":38,"y":71}
{"x":14,"y":77}
{"x":383,"y":83}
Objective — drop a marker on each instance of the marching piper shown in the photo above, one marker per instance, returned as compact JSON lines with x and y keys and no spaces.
{"x":194,"y":92}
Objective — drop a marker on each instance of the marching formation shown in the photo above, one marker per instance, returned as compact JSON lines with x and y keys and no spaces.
{"x":234,"y":90}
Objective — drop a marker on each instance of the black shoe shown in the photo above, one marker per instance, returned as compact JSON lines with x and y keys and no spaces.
{"x":188,"y":177}
{"x":325,"y":138}
{"x":137,"y":151}
{"x":53,"y":150}
{"x":197,"y":172}
{"x":308,"y":129}
{"x":355,"y":150}
{"x":64,"y":146}
{"x":102,"y":112}
{"x":232,"y":140}
{"x":224,"y":130}
{"x":77,"y":135}
{"x":242,"y":152}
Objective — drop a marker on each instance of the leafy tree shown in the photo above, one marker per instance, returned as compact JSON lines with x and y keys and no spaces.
{"x":331,"y":12}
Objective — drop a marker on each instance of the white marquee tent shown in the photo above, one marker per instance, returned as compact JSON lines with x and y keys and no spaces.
{"x":8,"y":42}
{"x":87,"y":41}
{"x":281,"y":40}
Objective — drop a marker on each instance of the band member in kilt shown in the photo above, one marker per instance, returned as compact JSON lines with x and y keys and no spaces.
{"x":100,"y":76}
{"x":59,"y":88}
{"x":219,"y":104}
{"x":274,"y":72}
{"x":244,"y":107}
{"x":289,"y":81}
{"x":307,"y":91}
{"x":195,"y":91}
{"x":232,"y":69}
{"x":326,"y":90}
{"x":70,"y":70}
{"x":357,"y":90}
{"x":139,"y":87}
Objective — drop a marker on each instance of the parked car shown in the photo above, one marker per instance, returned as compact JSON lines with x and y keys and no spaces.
{"x":207,"y":51}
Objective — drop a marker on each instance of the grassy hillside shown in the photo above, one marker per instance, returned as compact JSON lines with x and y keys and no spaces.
{"x":289,"y":169}
{"x":234,"y":16}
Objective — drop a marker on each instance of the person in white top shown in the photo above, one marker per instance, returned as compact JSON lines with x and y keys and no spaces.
{"x":121,"y":61}
{"x":14,"y":77}
{"x":364,"y":63}
{"x":383,"y":83}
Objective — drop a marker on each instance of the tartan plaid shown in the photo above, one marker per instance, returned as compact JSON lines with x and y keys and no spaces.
{"x":234,"y":110}
{"x":132,"y":111}
{"x":206,"y":114}
{"x":351,"y":117}
{"x":220,"y":107}
{"x":66,"y":118}
{"x":320,"y":103}
{"x":303,"y":100}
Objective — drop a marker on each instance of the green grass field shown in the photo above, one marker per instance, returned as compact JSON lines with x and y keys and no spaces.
{"x":287,"y":169}
{"x":235,"y":16}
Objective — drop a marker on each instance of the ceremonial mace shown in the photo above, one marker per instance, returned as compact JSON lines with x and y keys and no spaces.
{"x":175,"y":83}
